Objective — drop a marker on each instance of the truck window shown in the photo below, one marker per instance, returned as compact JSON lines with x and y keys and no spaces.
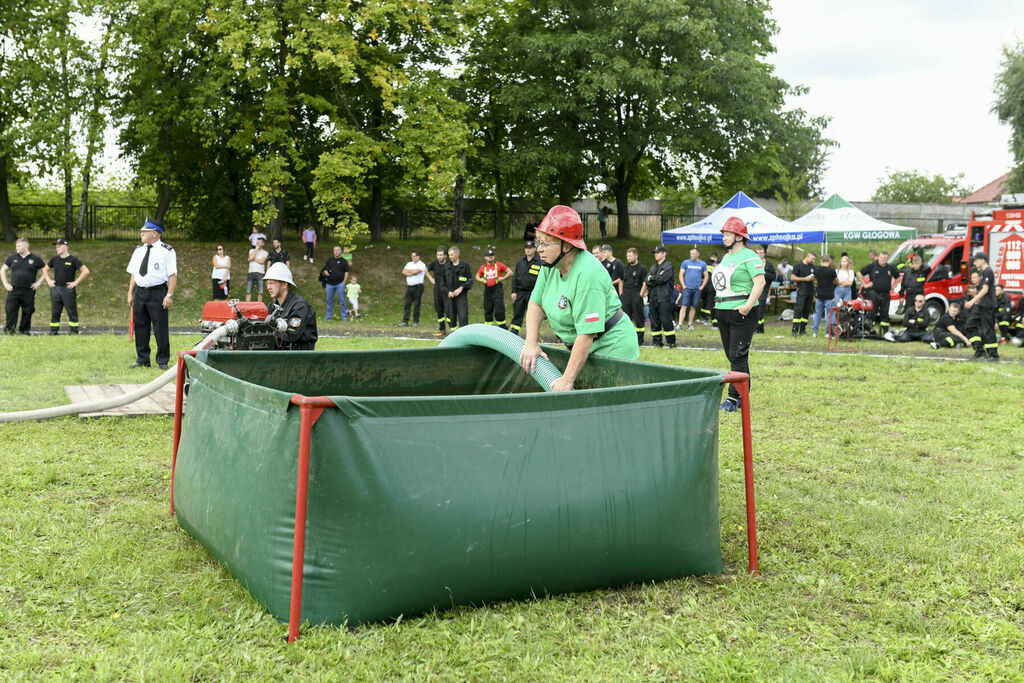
{"x":949,"y":266}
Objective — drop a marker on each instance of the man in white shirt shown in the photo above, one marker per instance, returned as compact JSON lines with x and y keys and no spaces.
{"x":154,"y":277}
{"x":414,"y":272}
{"x":257,"y":266}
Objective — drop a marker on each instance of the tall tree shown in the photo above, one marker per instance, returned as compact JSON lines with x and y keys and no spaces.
{"x":1009,"y":107}
{"x":915,"y":186}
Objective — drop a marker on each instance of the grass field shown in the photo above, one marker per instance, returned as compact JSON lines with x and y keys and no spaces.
{"x":889,"y":518}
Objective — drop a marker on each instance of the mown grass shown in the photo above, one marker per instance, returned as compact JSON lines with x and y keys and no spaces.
{"x":889,"y":520}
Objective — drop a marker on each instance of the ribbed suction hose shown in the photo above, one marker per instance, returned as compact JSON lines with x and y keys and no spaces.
{"x":507,"y":344}
{"x":224,"y":330}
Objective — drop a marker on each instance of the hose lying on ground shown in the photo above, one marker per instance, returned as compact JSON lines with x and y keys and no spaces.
{"x":507,"y":344}
{"x":106,"y":404}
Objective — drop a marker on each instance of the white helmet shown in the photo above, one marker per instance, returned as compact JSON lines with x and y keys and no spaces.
{"x":279,"y":271}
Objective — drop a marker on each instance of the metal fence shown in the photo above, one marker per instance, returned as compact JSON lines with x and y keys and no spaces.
{"x":112,"y":222}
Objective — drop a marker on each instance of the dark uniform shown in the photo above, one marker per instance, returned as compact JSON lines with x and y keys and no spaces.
{"x":878,"y":293}
{"x":61,"y":298}
{"x":804,"y":298}
{"x":969,"y":322}
{"x":439,"y":271}
{"x":915,"y":325}
{"x":941,"y":335}
{"x":632,"y":303}
{"x":762,"y":301}
{"x":523,"y":280}
{"x":913,"y":284}
{"x":1004,"y":314}
{"x":301,"y":333}
{"x":987,"y":316}
{"x":458,"y":307}
{"x":24,"y":271}
{"x":615,"y":269}
{"x":660,"y":295}
{"x":707,"y":296}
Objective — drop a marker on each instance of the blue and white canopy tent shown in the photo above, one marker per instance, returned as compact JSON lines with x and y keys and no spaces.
{"x":762,"y":226}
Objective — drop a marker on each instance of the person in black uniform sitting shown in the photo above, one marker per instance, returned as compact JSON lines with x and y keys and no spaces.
{"x":660,"y":290}
{"x":634,"y":289}
{"x":876,"y":283}
{"x":523,"y":280}
{"x":915,"y":323}
{"x":300,"y":320}
{"x":803,"y":275}
{"x":1004,"y":312}
{"x":946,"y":333}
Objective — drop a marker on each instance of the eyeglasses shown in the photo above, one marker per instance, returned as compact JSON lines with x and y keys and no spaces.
{"x":544,"y":245}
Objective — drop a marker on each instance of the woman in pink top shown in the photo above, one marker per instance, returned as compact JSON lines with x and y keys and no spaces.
{"x":309,"y":239}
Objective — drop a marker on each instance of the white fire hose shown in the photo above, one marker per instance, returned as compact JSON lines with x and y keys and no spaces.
{"x":228,"y":328}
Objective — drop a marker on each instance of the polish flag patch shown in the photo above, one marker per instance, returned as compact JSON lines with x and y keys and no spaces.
{"x":593,"y":317}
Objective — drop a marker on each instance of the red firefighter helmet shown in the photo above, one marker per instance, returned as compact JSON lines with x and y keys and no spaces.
{"x":737,"y":227}
{"x":564,"y":223}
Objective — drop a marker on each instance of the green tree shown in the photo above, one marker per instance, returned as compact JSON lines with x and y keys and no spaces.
{"x":916,"y":186}
{"x":1009,"y":107}
{"x":634,"y":95}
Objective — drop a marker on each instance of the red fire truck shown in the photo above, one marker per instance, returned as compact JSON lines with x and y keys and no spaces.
{"x":947,"y":258}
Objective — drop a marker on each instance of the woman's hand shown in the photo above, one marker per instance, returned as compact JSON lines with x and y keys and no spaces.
{"x":528,"y":357}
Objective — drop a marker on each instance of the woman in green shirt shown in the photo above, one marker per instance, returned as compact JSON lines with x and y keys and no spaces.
{"x":576,"y":294}
{"x":738,"y":281}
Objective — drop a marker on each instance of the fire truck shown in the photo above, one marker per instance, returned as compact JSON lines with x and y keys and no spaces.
{"x":947,"y":258}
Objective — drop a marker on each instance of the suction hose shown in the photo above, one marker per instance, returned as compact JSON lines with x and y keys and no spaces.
{"x":106,"y":404}
{"x":504,"y":342}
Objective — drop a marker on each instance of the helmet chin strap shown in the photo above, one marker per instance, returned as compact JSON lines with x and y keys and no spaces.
{"x":554,"y":263}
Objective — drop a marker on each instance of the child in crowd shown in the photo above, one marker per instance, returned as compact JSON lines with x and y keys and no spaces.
{"x":352,"y":290}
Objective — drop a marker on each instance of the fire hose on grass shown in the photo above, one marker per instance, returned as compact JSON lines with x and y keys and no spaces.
{"x":229,"y":328}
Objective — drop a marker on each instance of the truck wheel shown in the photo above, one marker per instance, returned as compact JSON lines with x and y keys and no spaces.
{"x":935,"y":309}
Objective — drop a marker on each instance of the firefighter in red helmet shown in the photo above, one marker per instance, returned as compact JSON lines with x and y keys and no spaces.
{"x":738,"y":281}
{"x":575,"y":293}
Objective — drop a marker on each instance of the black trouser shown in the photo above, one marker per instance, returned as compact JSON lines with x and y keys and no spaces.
{"x":707,"y":302}
{"x":458,"y":310}
{"x":663,"y":322}
{"x":519,"y":307}
{"x":62,"y":298}
{"x":944,"y":338}
{"x":494,"y":305}
{"x":736,"y":331}
{"x":802,"y":310}
{"x":880,"y":301}
{"x":309,"y":250}
{"x":441,"y":307}
{"x":23,"y":299}
{"x":413,"y":299}
{"x":633,"y":306}
{"x":987,"y":331}
{"x":759,"y":312}
{"x":148,"y":311}
{"x":909,"y":335}
{"x":220,"y":291}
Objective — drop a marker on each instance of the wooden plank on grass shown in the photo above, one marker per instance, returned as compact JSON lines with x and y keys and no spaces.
{"x":160,"y":402}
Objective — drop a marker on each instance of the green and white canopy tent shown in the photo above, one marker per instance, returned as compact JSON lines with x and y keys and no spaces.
{"x":841,"y":221}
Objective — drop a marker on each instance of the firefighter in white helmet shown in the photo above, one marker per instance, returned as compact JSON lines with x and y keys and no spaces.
{"x":300,"y":320}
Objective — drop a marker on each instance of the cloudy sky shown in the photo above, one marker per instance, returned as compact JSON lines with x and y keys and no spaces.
{"x":908,"y":84}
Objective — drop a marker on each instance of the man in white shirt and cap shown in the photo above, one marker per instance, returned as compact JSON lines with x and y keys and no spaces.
{"x":154,"y":276}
